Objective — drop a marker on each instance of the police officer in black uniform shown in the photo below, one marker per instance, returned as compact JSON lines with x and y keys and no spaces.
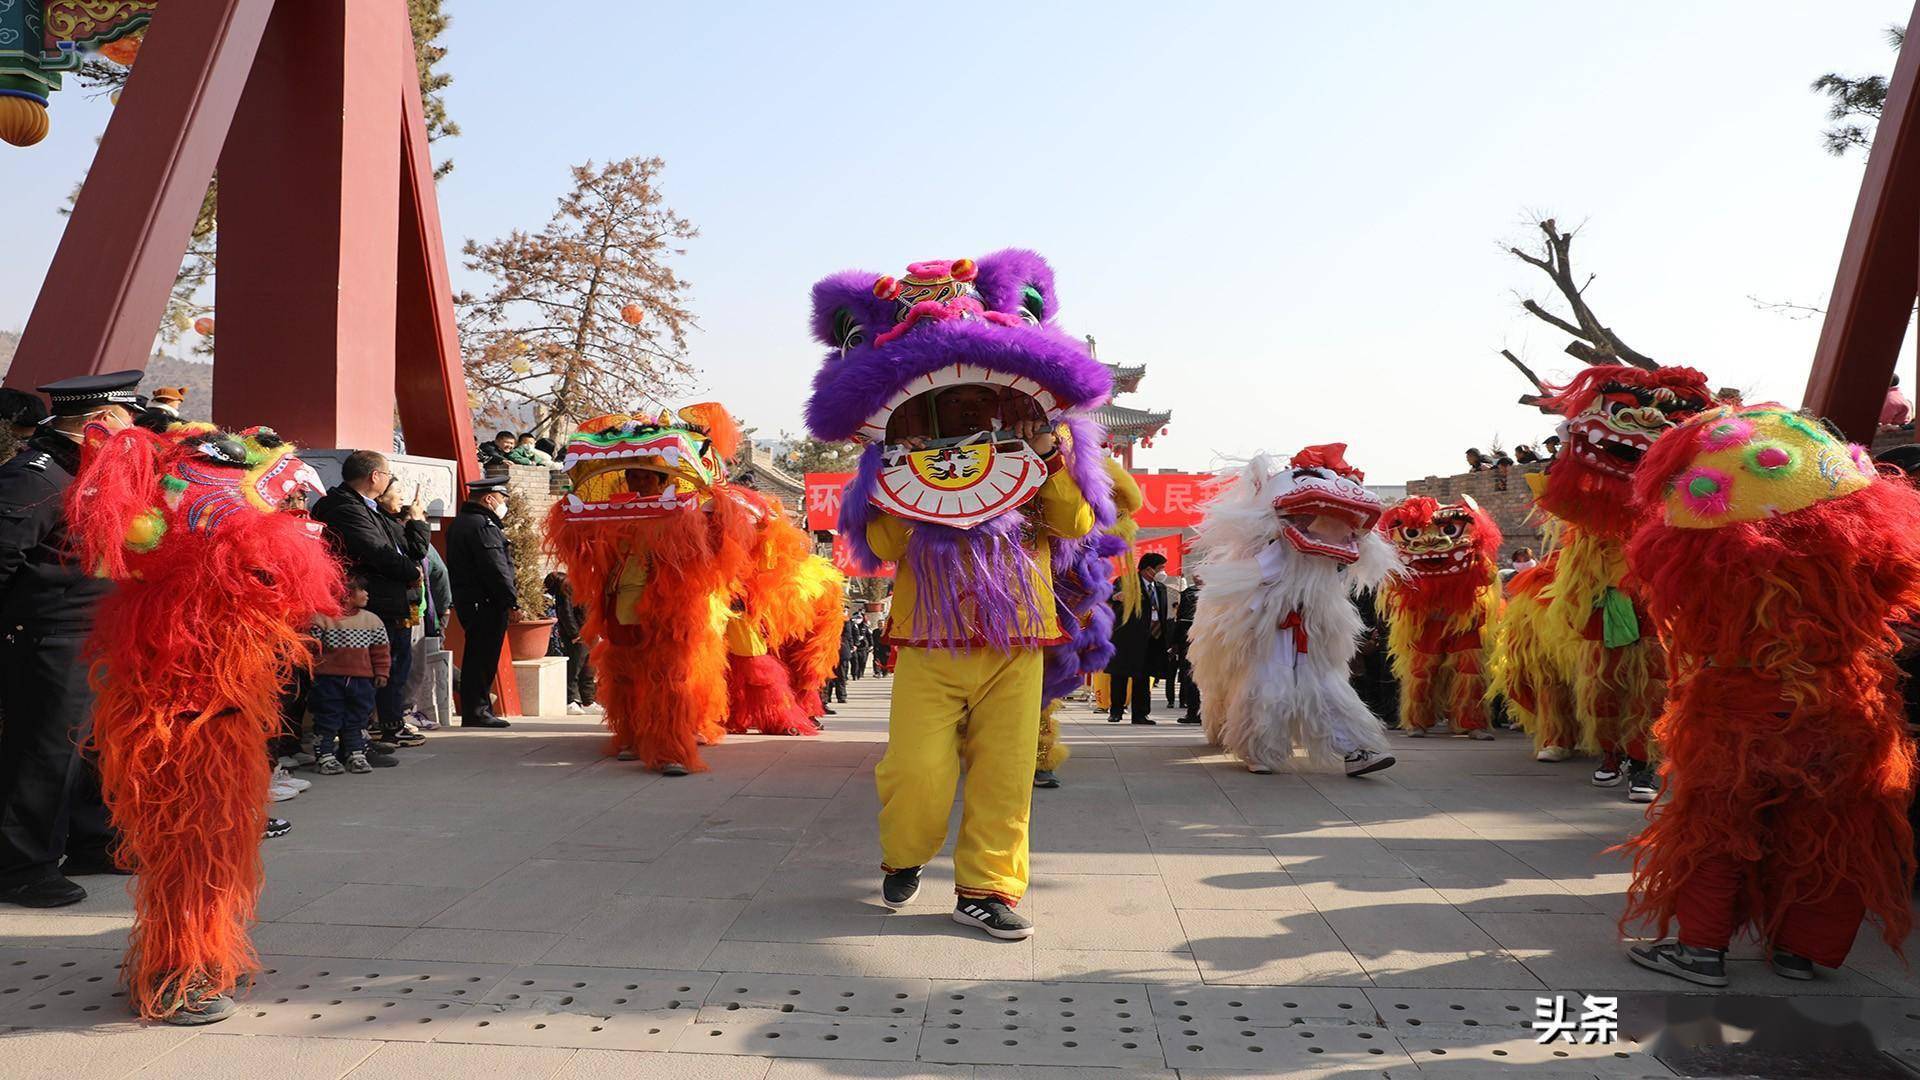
{"x":480,"y":569}
{"x":50,"y":801}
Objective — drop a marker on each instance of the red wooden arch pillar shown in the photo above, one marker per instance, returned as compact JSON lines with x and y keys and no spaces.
{"x":334,"y":302}
{"x":1879,"y":276}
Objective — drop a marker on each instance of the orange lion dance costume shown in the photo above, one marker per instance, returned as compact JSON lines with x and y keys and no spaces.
{"x":220,"y":574}
{"x":1771,"y":561}
{"x":706,"y":610}
{"x":1440,"y":613}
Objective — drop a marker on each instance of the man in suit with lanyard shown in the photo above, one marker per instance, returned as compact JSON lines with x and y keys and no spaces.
{"x":1139,"y":644}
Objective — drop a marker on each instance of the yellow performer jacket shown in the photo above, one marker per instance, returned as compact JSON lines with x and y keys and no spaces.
{"x":1063,"y":511}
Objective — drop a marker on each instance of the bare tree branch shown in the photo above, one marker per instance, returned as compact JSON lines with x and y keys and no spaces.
{"x":1595,"y":342}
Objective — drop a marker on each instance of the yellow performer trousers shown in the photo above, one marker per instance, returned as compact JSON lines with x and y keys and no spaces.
{"x":997,"y":696}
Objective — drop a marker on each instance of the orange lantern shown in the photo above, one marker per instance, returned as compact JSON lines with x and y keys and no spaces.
{"x":632,"y":314}
{"x":203,"y":326}
{"x":122,"y":51}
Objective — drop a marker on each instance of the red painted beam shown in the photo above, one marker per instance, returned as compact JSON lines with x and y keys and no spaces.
{"x":106,"y":292}
{"x":309,"y":228}
{"x":1879,"y":276}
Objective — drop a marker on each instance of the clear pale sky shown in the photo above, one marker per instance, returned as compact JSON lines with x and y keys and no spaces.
{"x":1292,"y":213}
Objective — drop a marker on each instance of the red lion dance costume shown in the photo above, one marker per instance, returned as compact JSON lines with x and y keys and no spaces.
{"x":1440,"y":613}
{"x":1771,"y":561}
{"x":1576,"y":666}
{"x":706,"y":609}
{"x":220,"y":574}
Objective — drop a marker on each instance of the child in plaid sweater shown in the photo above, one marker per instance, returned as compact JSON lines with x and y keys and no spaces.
{"x":354,"y":659}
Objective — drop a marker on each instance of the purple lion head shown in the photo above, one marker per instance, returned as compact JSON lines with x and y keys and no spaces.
{"x":946,"y":323}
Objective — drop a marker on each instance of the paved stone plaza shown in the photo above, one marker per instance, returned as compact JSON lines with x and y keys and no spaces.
{"x":514,"y":905}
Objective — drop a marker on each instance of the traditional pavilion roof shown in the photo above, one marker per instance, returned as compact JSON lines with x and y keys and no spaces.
{"x":1126,"y":379}
{"x":1130,"y":425}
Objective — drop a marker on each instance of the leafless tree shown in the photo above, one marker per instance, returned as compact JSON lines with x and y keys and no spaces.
{"x":1593,"y":341}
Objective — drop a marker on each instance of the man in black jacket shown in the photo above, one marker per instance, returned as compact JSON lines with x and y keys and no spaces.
{"x":1183,"y":637}
{"x":480,"y":564}
{"x":388,"y":554}
{"x":50,"y":801}
{"x":1139,"y":644}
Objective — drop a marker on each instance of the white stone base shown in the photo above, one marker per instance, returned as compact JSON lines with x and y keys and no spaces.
{"x":543,"y":685}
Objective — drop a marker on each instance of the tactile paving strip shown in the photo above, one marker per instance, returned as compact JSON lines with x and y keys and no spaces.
{"x":603,"y":1008}
{"x":809,"y":1016}
{"x":395,"y":1001}
{"x":26,"y":972}
{"x":816,"y":996}
{"x":1012,"y":1023}
{"x":1495,"y":1010}
{"x":1203,"y":1027}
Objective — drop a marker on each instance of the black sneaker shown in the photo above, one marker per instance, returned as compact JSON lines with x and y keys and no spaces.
{"x":51,"y":892}
{"x":382,"y":761}
{"x":1791,"y":965}
{"x":1190,"y":718}
{"x":1045,"y":779}
{"x":1643,"y":783}
{"x":277,"y":826}
{"x":1708,"y":967}
{"x":995,"y":917}
{"x":900,"y":887}
{"x":1608,"y":774}
{"x":1361,"y":762}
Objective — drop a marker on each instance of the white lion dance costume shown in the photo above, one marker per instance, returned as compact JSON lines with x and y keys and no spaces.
{"x":1283,"y":551}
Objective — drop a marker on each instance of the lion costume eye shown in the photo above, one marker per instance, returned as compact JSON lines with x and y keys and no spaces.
{"x":847,"y":333}
{"x":1033,"y":306}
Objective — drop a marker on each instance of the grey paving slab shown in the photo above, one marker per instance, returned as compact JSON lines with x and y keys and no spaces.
{"x":1107,"y":912}
{"x":1272,"y":948}
{"x":66,"y":1055}
{"x":477,"y":946}
{"x":378,"y":905}
{"x":1228,"y":878}
{"x":596,"y":1008}
{"x":1113,"y":965}
{"x":542,"y":895}
{"x":212,"y":1056}
{"x":647,"y":931}
{"x":801,"y":781}
{"x":411,"y":1061}
{"x":705,"y":866}
{"x":630,"y":1065}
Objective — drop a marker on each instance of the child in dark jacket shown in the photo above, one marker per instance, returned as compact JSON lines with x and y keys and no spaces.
{"x":354,"y":659}
{"x":569,"y":620}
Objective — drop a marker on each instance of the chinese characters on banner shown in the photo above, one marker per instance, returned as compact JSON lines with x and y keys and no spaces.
{"x":1170,"y":500}
{"x":1170,"y":546}
{"x":843,"y":561}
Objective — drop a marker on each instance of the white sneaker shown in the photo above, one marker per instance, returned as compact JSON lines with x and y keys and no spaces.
{"x":1259,"y":770}
{"x":1481,"y":734}
{"x":1553,"y":753}
{"x":595,"y":708}
{"x":286,"y":779}
{"x":575,"y":710}
{"x":281,"y":792}
{"x":304,"y":757}
{"x":290,"y":762}
{"x":1361,"y":762}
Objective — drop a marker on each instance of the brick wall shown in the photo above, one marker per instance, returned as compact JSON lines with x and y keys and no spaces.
{"x":537,"y":489}
{"x":1505,"y":497}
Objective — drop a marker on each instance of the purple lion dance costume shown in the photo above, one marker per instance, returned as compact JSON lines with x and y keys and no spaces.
{"x":986,"y":483}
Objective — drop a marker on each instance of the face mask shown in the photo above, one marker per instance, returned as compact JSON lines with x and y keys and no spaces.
{"x":500,"y":509}
{"x":1161,"y":577}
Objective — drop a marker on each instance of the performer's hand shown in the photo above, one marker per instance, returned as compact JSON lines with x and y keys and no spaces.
{"x":1038,"y":434}
{"x":380,"y":681}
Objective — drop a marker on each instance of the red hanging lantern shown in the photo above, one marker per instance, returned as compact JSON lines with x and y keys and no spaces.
{"x":203,"y":326}
{"x":632,"y":314}
{"x":123,"y":50}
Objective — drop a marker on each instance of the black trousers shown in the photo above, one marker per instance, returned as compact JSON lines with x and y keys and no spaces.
{"x":50,"y":803}
{"x":485,"y":627}
{"x":390,"y":701}
{"x":1140,"y":697}
{"x":580,"y":682}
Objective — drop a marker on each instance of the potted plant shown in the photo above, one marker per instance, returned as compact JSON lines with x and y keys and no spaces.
{"x":530,"y":633}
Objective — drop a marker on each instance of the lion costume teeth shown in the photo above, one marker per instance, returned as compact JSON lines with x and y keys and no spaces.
{"x":1440,"y":612}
